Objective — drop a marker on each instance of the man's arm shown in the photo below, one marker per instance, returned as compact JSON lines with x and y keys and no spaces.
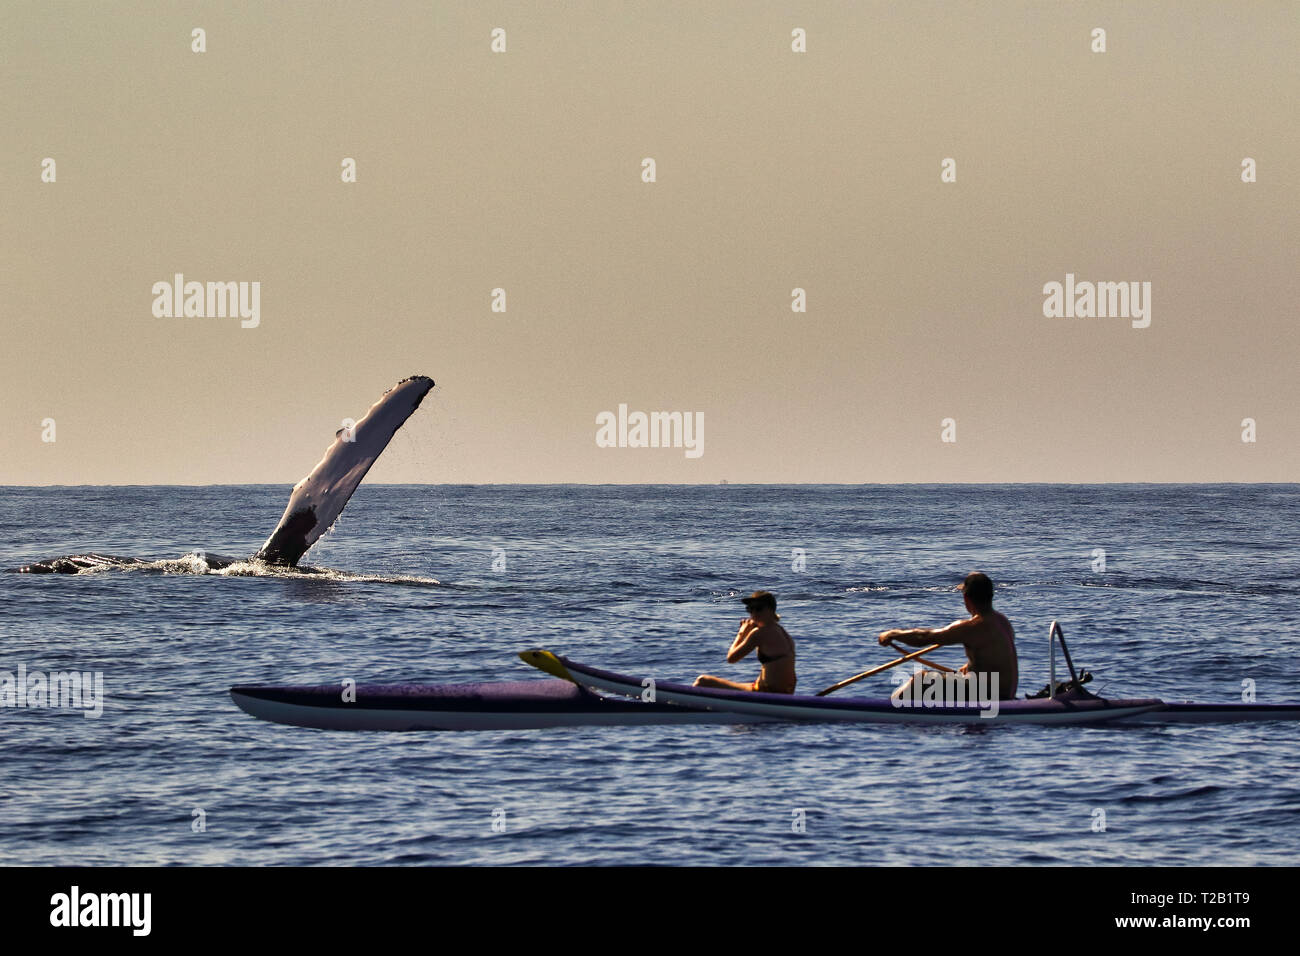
{"x":954,"y":633}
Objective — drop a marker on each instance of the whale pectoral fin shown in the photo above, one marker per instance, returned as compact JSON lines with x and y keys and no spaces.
{"x":289,"y":541}
{"x":319,"y":499}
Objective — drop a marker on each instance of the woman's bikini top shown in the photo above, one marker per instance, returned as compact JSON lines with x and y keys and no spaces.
{"x":779,"y":657}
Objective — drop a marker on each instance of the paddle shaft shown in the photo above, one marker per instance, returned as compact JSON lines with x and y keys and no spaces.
{"x":922,"y":660}
{"x":876,"y":670}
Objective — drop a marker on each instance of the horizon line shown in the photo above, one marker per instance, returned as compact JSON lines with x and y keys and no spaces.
{"x":642,"y":484}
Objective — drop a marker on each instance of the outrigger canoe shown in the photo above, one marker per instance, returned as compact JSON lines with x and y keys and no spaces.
{"x":537,"y":704}
{"x":581,"y":695}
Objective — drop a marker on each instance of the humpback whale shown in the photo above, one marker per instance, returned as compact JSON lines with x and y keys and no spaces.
{"x":316,"y":501}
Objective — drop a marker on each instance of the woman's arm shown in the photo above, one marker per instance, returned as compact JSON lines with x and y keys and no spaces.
{"x":746,"y":640}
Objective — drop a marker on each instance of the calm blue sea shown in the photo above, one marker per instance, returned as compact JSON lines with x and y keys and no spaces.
{"x":1199,"y":592}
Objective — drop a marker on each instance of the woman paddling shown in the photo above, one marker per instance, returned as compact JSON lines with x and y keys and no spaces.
{"x":762,"y":632}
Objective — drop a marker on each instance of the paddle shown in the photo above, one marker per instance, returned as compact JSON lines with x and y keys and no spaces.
{"x":922,"y":660}
{"x":876,"y":670}
{"x":546,"y":661}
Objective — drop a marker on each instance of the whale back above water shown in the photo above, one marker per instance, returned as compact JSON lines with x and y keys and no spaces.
{"x":316,"y":501}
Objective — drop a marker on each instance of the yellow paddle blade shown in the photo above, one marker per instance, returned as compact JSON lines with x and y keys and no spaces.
{"x":546,"y":661}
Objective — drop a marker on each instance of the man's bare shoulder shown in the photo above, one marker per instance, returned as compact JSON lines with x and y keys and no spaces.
{"x":958,"y":630}
{"x":994,"y":626}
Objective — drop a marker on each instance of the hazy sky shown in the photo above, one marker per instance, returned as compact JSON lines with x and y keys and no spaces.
{"x":775,"y":170}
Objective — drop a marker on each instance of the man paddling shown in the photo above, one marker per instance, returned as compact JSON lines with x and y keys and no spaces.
{"x":761,"y":631}
{"x":987,"y":635}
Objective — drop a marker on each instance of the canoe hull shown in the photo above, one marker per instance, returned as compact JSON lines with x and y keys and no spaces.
{"x":505,"y":705}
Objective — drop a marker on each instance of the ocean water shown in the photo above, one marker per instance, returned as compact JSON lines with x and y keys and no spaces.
{"x":1199,"y":593}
